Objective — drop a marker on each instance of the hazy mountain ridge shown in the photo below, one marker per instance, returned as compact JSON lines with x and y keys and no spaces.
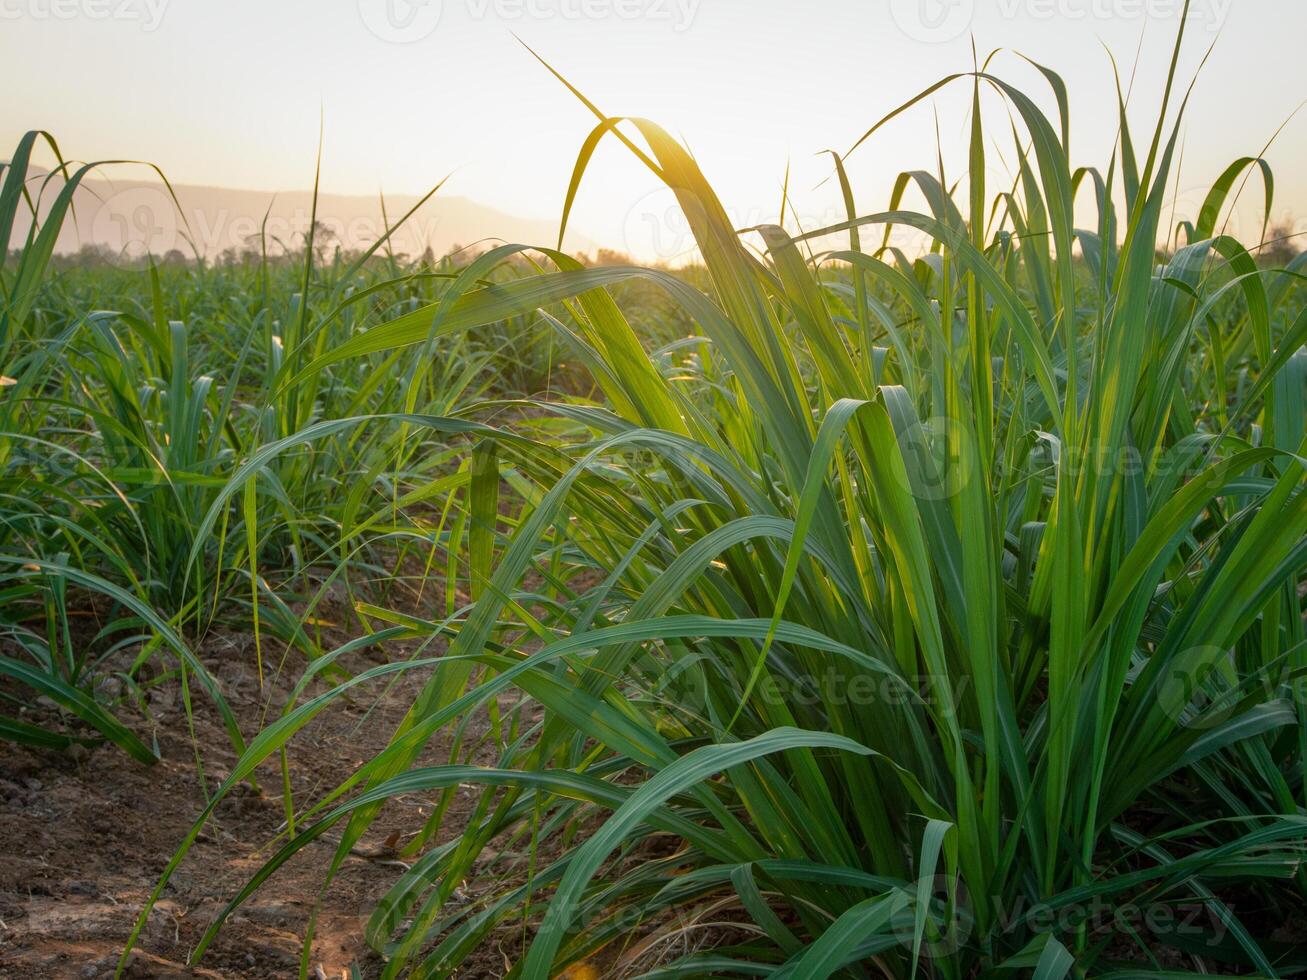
{"x":133,"y":217}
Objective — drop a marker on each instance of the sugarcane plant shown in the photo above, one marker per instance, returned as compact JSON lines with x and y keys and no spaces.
{"x":908,"y":616}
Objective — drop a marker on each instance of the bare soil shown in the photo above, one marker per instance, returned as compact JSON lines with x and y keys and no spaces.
{"x":85,"y":835}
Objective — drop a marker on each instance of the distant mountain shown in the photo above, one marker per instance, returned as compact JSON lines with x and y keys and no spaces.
{"x":130,"y":218}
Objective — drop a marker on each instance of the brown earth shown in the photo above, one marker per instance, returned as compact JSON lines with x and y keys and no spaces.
{"x":85,"y":835}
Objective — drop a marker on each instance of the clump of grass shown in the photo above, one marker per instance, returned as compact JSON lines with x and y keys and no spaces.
{"x":918,"y":609}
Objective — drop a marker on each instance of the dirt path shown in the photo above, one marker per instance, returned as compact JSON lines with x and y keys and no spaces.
{"x":85,"y":835}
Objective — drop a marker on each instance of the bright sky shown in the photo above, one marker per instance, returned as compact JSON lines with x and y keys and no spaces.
{"x":229,"y":93}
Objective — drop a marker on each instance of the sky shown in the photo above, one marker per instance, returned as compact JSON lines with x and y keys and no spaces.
{"x":231,"y":93}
